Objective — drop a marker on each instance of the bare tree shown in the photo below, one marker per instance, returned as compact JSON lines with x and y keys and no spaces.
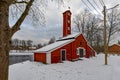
{"x":39,"y":46}
{"x":94,"y":32}
{"x":22,"y":8}
{"x":93,"y":29}
{"x":113,"y":23}
{"x":14,"y":44}
{"x":118,"y":42}
{"x":90,"y":25}
{"x":52,"y":40}
{"x":23,"y":45}
{"x":81,"y":19}
{"x":29,"y":44}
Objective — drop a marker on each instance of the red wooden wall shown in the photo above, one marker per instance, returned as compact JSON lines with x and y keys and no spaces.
{"x":66,"y":23}
{"x":56,"y":54}
{"x":81,"y":42}
{"x":115,"y":48}
{"x":40,"y":57}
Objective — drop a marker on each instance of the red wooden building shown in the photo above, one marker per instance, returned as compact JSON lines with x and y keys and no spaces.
{"x":114,"y":49}
{"x":70,"y":47}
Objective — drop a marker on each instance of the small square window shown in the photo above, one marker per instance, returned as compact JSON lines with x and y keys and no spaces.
{"x":68,"y":28}
{"x":68,"y":21}
{"x":80,"y":52}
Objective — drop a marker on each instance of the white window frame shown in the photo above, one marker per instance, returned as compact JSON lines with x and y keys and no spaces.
{"x":48,"y":57}
{"x":81,"y":48}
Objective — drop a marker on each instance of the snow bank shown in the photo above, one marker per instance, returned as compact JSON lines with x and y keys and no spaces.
{"x":21,"y":53}
{"x":86,"y":69}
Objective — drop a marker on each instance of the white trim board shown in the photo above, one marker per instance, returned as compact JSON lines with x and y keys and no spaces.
{"x":48,"y":58}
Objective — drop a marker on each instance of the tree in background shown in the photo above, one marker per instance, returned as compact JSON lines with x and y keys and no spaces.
{"x":39,"y":46}
{"x":15,"y":44}
{"x":52,"y":40}
{"x":29,"y":44}
{"x":21,"y":45}
{"x":113,"y":22}
{"x":118,"y":42}
{"x":81,"y":19}
{"x":92,"y":30}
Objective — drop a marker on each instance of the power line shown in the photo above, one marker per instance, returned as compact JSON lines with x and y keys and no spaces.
{"x":87,"y":5}
{"x":93,"y":6}
{"x":96,"y":4}
{"x":113,"y":3}
{"x":101,"y":3}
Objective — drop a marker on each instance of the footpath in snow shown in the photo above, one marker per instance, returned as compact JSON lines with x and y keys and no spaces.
{"x":86,"y":69}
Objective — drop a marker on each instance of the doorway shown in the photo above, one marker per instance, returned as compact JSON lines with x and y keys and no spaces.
{"x":63,"y":55}
{"x":81,"y":52}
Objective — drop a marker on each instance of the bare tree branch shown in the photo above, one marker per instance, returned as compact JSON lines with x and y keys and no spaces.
{"x":113,"y":23}
{"x":15,"y":2}
{"x":16,"y":27}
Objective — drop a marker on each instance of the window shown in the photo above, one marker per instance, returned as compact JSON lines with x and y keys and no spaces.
{"x":63,"y":54}
{"x":69,"y":14}
{"x":81,"y":51}
{"x":68,"y":21}
{"x":68,"y":28}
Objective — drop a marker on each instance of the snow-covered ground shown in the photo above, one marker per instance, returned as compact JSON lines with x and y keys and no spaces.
{"x":86,"y":69}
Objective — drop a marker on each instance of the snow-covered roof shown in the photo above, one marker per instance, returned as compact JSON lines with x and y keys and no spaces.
{"x":20,"y":53}
{"x":70,"y":36}
{"x":116,"y":44}
{"x":54,"y":46}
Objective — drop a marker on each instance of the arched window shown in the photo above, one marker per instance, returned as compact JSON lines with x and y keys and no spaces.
{"x":69,"y":14}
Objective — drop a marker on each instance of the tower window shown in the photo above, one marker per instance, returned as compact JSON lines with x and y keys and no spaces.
{"x":69,"y":14}
{"x":68,"y":28}
{"x":68,"y":21}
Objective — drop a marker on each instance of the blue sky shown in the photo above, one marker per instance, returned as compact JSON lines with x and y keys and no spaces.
{"x":54,"y":16}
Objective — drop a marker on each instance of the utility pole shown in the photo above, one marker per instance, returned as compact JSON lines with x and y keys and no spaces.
{"x":105,"y":52}
{"x":105,"y":45}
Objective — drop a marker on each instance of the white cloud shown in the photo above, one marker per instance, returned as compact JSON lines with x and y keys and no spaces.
{"x":54,"y":21}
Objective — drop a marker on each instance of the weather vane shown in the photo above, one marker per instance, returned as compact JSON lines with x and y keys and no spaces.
{"x":69,"y":7}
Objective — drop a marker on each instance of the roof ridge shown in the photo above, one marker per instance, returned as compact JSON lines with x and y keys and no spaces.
{"x":53,"y":46}
{"x":71,"y":36}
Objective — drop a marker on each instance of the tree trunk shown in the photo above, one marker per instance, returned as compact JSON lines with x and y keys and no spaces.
{"x":4,"y":40}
